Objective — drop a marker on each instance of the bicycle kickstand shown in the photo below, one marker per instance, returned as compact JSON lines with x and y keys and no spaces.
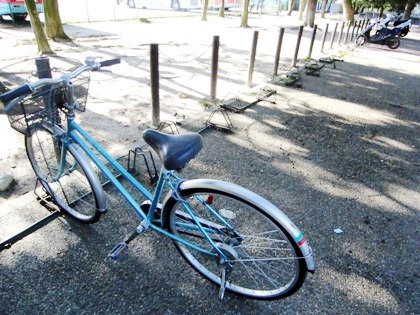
{"x":225,"y":268}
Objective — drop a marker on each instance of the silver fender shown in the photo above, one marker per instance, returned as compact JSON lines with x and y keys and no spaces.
{"x":84,"y":163}
{"x":264,"y":204}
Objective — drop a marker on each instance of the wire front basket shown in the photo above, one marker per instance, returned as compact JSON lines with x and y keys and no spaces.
{"x":81,"y":89}
{"x":46,"y":106}
{"x":38,"y":108}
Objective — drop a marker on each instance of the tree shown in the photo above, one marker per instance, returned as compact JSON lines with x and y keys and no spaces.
{"x":291,"y":5}
{"x":323,"y":8}
{"x":310,"y":13}
{"x":302,"y":5}
{"x":382,"y":5}
{"x":348,"y":11}
{"x":409,"y":6}
{"x":41,"y":39}
{"x":244,"y":16}
{"x":204,"y":13}
{"x":222,"y":9}
{"x":279,"y":5}
{"x":53,"y":25}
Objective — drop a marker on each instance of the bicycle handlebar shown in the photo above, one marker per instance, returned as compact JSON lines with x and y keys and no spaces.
{"x":11,"y":95}
{"x":30,"y":87}
{"x":110,"y":62}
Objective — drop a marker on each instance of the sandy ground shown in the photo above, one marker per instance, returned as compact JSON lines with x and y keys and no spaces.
{"x":185,"y":69}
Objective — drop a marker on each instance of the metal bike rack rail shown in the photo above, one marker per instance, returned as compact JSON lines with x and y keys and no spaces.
{"x":46,"y":202}
{"x":170,"y":124}
{"x":237,"y":105}
{"x":143,"y":152}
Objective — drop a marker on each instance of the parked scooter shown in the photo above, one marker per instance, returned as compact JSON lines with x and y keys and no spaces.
{"x":395,"y":19}
{"x":384,"y":36}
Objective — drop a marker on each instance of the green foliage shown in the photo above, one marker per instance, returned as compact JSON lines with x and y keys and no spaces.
{"x":381,"y":4}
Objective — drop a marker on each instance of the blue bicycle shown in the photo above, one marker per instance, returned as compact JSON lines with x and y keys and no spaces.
{"x":230,"y":235}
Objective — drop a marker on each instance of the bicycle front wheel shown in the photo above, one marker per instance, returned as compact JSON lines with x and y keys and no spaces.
{"x":75,"y":190}
{"x":264,"y":262}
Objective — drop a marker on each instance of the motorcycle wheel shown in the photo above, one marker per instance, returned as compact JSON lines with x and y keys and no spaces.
{"x":404,"y":32}
{"x":393,"y":43}
{"x":361,"y":40}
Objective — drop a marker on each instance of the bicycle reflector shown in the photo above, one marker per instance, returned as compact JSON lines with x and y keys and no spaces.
{"x":210,"y":199}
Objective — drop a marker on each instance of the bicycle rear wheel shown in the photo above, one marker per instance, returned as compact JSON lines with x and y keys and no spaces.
{"x":76,"y":191}
{"x":265,"y":262}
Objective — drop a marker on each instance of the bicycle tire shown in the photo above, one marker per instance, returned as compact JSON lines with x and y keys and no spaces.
{"x":78,"y":191}
{"x":262,"y":235}
{"x":361,"y":40}
{"x":404,"y":31}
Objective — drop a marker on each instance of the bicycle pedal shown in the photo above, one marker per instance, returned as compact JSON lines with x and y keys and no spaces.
{"x":117,"y":251}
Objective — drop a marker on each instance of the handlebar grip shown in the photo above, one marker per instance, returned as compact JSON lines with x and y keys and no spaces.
{"x":111,"y":62}
{"x":11,"y":95}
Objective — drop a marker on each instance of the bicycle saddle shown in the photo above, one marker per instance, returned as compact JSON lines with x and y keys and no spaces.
{"x":174,"y":151}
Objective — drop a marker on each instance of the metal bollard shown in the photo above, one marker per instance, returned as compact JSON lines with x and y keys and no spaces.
{"x":154,"y":83}
{"x":333,"y":35}
{"x":358,"y":27}
{"x":252,"y":58}
{"x":312,"y":41}
{"x":214,"y":67}
{"x":340,"y":36}
{"x":347,"y":33}
{"x":354,"y":28}
{"x":295,"y":57}
{"x":324,"y":37}
{"x":277,"y":57}
{"x":43,"y":67}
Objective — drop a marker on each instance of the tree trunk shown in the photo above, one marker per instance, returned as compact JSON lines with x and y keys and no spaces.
{"x":408,"y":8}
{"x":222,"y":9}
{"x":41,"y":39}
{"x":204,"y":13}
{"x":381,"y":12}
{"x":279,"y":7}
{"x":348,"y":12}
{"x":323,"y":8}
{"x":53,"y":25}
{"x":310,"y":13}
{"x":302,"y":5}
{"x":291,"y":5}
{"x":244,"y":17}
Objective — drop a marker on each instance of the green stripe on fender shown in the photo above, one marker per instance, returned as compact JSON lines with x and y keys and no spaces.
{"x":298,"y":238}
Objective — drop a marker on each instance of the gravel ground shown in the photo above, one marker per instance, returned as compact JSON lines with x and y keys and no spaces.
{"x":341,"y":152}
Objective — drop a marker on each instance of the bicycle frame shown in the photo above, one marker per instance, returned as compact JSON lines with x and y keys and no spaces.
{"x":76,"y":134}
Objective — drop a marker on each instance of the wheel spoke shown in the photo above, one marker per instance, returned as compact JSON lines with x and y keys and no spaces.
{"x":264,"y":263}
{"x":71,"y":190}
